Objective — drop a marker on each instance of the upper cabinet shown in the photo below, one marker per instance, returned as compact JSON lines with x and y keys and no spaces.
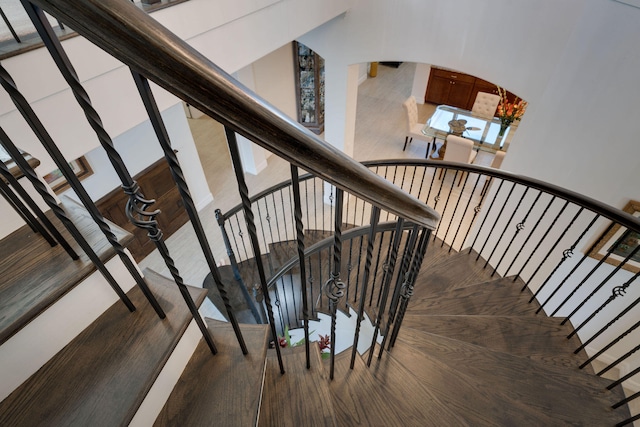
{"x":309,"y":80}
{"x":446,"y":87}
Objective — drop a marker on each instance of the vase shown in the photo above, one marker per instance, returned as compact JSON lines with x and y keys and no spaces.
{"x":503,"y":129}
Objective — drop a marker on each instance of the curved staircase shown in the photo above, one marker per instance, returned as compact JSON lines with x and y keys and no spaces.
{"x":472,"y":351}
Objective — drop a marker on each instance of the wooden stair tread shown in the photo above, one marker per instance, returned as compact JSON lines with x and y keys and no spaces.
{"x":452,"y":272}
{"x":511,"y":390}
{"x":500,"y":297}
{"x":418,"y":405}
{"x":225,"y":387}
{"x":301,"y":396}
{"x":35,"y":275}
{"x":101,"y":377}
{"x":538,"y":338}
{"x":360,"y":401}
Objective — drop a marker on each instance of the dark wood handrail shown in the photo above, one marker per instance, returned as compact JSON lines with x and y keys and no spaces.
{"x":605,"y":210}
{"x":136,"y":39}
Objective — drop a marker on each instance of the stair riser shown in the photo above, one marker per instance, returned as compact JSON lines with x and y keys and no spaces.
{"x":167,"y":379}
{"x":29,"y":349}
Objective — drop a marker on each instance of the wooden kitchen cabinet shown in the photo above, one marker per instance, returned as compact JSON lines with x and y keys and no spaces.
{"x":447,"y":87}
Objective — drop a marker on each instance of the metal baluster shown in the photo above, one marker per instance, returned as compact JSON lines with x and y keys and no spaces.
{"x":178,"y":176}
{"x":613,"y":273}
{"x":385,"y":267}
{"x":495,"y":223}
{"x":253,"y":237}
{"x":43,"y":136}
{"x":433,"y":177}
{"x":593,"y":270}
{"x":540,"y":241}
{"x":466,"y":209}
{"x":355,"y":294}
{"x":413,"y":178}
{"x":424,"y":173}
{"x":409,"y":249}
{"x":13,"y":32}
{"x":617,"y":291}
{"x":624,"y":378}
{"x":234,"y":267}
{"x":519,"y":227}
{"x":407,"y":288}
{"x":619,"y":360}
{"x":25,"y":213}
{"x":453,"y":215}
{"x":375,"y":216}
{"x":495,"y":196}
{"x":275,"y":212}
{"x":334,"y":288}
{"x":349,"y":267}
{"x":31,"y":175}
{"x":566,"y":230}
{"x":375,"y":270}
{"x":297,"y":213}
{"x":442,"y":179}
{"x":513,"y":214}
{"x":315,"y":203}
{"x":535,"y":227}
{"x":446,"y":204}
{"x":393,"y":256}
{"x":21,"y":209}
{"x":565,"y":255}
{"x":264,"y":238}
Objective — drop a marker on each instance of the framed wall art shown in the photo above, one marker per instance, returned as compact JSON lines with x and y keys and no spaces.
{"x":58,"y":183}
{"x":621,"y":242}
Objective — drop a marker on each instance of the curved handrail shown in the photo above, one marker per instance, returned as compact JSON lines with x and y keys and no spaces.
{"x":596,"y":206}
{"x":136,"y":39}
{"x":327,"y":242}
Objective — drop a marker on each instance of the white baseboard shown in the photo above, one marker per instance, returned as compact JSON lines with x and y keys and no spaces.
{"x":202,"y":203}
{"x":624,"y":368}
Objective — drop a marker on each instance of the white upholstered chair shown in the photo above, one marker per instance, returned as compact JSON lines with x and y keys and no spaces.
{"x":413,"y":128}
{"x":485,"y":105}
{"x":459,"y":150}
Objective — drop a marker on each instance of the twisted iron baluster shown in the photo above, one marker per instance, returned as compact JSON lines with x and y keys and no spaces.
{"x":565,"y":255}
{"x":453,"y":215}
{"x":253,"y":236}
{"x":43,"y":136}
{"x":407,"y":287}
{"x":404,"y":270}
{"x":138,"y":214}
{"x":220,"y":218}
{"x":334,"y":288}
{"x":178,"y":176}
{"x":36,"y":226}
{"x":40,"y":187}
{"x":393,"y":256}
{"x":375,"y":216}
{"x":297,"y":213}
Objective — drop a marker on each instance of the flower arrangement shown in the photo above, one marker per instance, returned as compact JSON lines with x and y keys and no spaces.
{"x":324,"y":342}
{"x":508,"y":112}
